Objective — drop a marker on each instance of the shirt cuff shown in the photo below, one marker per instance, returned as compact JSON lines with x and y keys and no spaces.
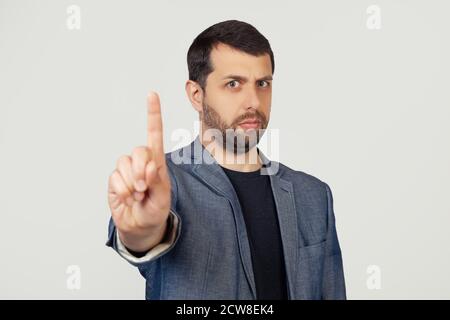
{"x":168,"y":240}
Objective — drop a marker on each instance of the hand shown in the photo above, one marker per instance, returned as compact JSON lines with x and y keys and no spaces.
{"x":139,"y":188}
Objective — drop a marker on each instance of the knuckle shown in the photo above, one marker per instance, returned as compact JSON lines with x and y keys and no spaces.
{"x":123,"y":160}
{"x":122,"y":193}
{"x":140,"y":150}
{"x":114,"y":177}
{"x":140,"y":157}
{"x":116,"y":183}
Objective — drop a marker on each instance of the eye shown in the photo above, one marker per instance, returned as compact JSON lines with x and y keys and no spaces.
{"x":232,"y":84}
{"x":264,"y":83}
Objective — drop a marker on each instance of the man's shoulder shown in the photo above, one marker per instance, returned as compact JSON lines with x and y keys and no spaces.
{"x":301,"y":178}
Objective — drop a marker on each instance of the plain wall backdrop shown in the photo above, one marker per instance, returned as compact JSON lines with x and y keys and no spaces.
{"x":365,"y":110}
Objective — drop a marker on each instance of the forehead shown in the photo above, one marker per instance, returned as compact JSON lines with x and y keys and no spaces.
{"x":227,"y":60}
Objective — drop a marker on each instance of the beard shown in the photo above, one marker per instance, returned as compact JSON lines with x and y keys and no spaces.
{"x":232,"y":138}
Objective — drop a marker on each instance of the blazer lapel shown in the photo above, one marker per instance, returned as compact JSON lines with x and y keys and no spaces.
{"x":287,"y":218}
{"x":207,"y":169}
{"x":283,"y":193}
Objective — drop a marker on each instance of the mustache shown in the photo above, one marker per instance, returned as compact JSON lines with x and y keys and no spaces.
{"x":254,"y":115}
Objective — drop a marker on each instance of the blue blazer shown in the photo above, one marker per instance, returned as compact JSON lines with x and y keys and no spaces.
{"x":210,"y":256}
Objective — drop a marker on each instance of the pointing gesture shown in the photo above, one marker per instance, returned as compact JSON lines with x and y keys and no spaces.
{"x":139,"y":187}
{"x":154,"y":129}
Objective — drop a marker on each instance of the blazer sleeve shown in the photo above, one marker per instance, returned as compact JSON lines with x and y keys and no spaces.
{"x":169,"y":241}
{"x":333,"y":286}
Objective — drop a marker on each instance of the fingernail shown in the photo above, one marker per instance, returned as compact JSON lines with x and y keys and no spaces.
{"x":140,"y":185}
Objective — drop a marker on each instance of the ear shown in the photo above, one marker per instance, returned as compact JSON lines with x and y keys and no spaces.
{"x":195,"y":94}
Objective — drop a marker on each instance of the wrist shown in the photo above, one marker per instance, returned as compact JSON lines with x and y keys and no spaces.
{"x":146,"y":239}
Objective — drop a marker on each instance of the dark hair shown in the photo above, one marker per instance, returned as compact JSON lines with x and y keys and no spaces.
{"x":237,"y":34}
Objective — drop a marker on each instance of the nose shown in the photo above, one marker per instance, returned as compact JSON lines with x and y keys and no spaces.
{"x":253,"y":99}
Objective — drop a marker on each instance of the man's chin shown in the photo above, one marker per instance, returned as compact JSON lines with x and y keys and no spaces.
{"x":241,"y":143}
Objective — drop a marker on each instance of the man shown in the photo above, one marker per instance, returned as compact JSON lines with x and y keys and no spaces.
{"x":217,"y":219}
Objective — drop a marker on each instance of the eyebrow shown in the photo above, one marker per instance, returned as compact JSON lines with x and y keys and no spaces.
{"x":238,"y":77}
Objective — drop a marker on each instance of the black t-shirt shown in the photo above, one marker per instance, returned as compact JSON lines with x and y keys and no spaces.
{"x":258,"y":207}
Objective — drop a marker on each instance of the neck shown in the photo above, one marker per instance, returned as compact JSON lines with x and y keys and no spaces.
{"x":244,"y":162}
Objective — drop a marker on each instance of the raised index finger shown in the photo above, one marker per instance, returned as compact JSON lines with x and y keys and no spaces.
{"x":154,"y":128}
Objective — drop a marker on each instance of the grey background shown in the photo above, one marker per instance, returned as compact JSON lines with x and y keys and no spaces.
{"x":367,"y":111}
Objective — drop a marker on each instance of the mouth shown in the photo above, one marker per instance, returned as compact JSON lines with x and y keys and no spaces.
{"x":250,"y":124}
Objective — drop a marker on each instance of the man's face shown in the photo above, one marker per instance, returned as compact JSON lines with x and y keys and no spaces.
{"x":238,"y":90}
